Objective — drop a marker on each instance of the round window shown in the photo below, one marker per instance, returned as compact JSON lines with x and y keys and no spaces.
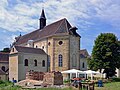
{"x":60,"y":42}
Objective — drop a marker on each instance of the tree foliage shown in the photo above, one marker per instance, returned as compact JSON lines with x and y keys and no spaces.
{"x":105,"y":54}
{"x":7,"y":50}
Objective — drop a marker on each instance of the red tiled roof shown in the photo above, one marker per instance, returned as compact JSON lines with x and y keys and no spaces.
{"x":60,"y":27}
{"x":4,"y":57}
{"x":29,"y":50}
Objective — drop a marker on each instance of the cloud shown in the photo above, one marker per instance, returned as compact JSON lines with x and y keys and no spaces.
{"x":24,"y":15}
{"x":108,"y":11}
{"x":6,"y":39}
{"x":18,"y":18}
{"x":3,"y":3}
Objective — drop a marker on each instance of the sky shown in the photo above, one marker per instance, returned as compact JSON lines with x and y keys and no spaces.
{"x":91,"y":17}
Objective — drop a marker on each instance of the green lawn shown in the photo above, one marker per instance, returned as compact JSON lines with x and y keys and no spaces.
{"x":107,"y":86}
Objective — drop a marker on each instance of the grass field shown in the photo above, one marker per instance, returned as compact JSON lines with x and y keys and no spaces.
{"x":107,"y":86}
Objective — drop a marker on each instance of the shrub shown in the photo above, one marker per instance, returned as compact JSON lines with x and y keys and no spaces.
{"x":116,"y":79}
{"x":2,"y":82}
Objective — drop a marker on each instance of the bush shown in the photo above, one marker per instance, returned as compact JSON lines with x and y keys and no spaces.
{"x":116,"y":79}
{"x":2,"y":82}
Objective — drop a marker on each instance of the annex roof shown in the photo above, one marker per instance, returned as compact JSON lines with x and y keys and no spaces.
{"x":29,"y":50}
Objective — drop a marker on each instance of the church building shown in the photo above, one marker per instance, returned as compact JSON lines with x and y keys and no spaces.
{"x":53,"y":47}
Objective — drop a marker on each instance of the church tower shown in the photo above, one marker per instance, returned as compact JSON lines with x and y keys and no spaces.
{"x":42,"y":20}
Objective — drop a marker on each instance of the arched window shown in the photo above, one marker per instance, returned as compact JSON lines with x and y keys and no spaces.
{"x":60,"y":63}
{"x":26,"y":62}
{"x":35,"y":62}
{"x":3,"y":68}
{"x":83,"y":65}
{"x":43,"y":63}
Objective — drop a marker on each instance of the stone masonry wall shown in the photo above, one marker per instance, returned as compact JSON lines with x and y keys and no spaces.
{"x":53,"y":78}
{"x":34,"y":75}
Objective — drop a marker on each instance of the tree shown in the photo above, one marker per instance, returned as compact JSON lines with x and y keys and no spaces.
{"x":7,"y":50}
{"x":106,"y":54}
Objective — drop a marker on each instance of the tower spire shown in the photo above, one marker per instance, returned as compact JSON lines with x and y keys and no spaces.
{"x":42,"y":20}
